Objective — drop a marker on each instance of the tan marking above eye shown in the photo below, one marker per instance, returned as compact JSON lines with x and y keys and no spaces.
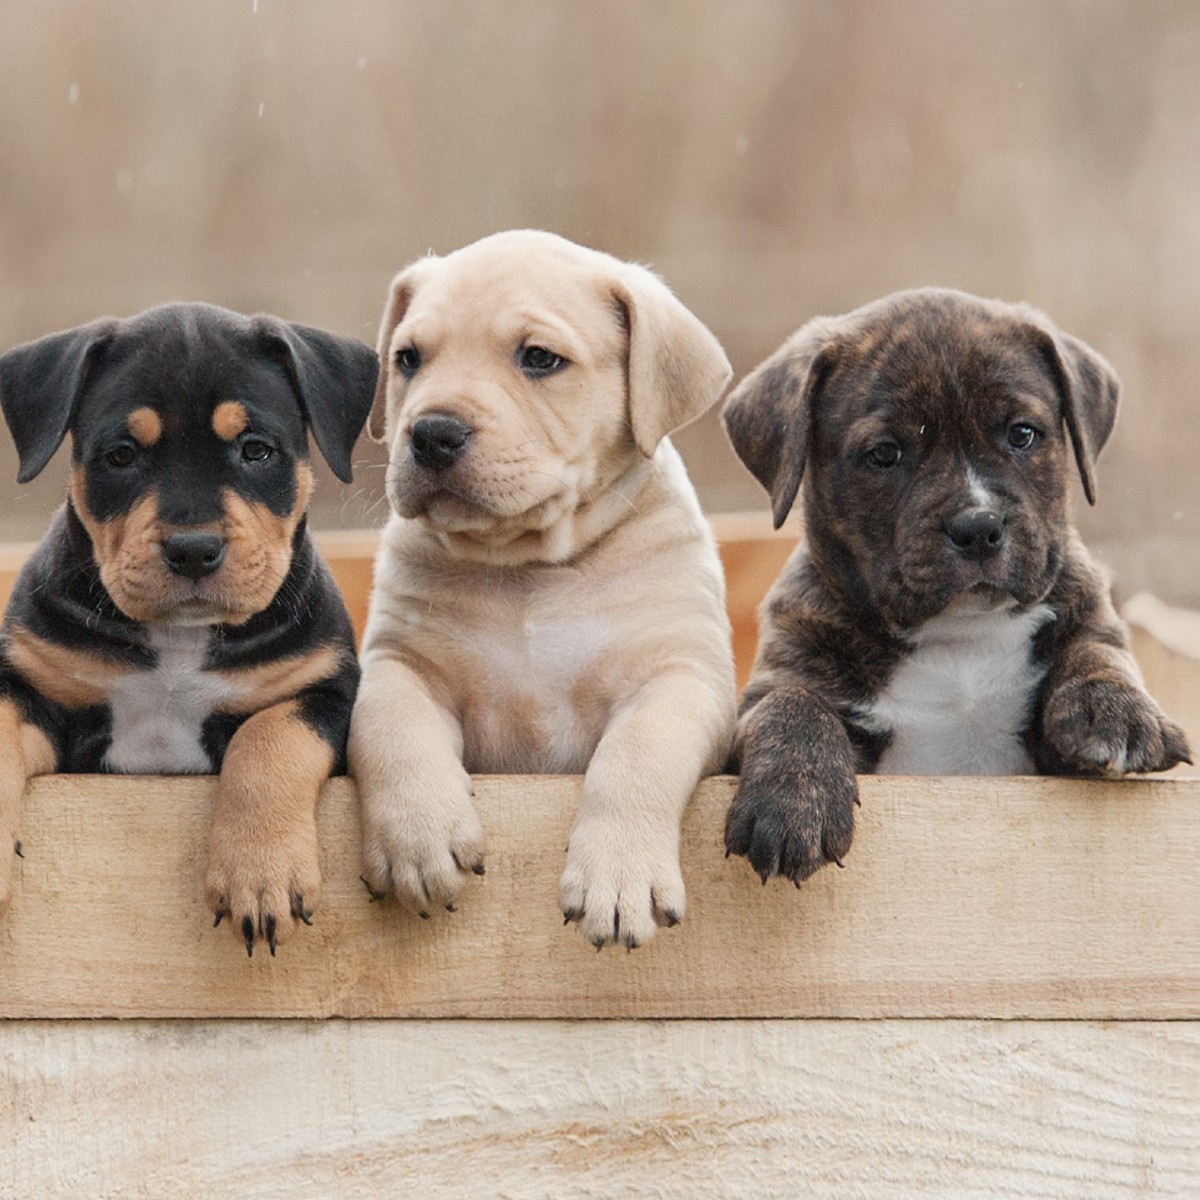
{"x":145,"y":426}
{"x":229,"y":419}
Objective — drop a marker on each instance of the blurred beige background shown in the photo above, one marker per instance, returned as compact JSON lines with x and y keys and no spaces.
{"x":772,"y":160}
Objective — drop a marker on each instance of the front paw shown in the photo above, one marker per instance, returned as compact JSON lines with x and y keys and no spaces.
{"x":618,"y":888}
{"x":422,"y":849}
{"x":262,"y":886}
{"x":791,"y":823}
{"x":1110,"y":727}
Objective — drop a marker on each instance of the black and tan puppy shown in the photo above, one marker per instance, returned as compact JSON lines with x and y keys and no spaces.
{"x":941,"y":616}
{"x":177,"y":618}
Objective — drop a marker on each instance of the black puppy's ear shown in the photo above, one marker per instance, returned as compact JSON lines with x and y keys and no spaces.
{"x":768,"y":416}
{"x":40,"y":385}
{"x":1089,"y":391}
{"x":334,"y":380}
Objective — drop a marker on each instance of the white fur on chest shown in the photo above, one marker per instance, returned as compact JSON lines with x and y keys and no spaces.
{"x":534,"y":670}
{"x":960,"y":702}
{"x":158,"y":714}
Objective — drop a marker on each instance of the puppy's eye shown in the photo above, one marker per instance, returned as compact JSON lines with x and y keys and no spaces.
{"x":537,"y":361}
{"x":121,"y":457}
{"x":886,"y":454}
{"x":1022,"y":436}
{"x":255,"y":451}
{"x":408,"y":360}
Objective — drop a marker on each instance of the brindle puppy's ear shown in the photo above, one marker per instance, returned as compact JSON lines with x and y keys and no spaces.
{"x":768,"y":416}
{"x":333,"y":378}
{"x":40,"y":386}
{"x":1089,"y":389}
{"x":677,"y":368}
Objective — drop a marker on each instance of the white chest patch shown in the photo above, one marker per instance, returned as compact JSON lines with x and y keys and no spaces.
{"x":158,"y":715}
{"x":959,"y":703}
{"x":535,"y":671}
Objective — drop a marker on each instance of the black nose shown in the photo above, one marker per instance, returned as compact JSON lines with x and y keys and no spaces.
{"x":438,"y":441}
{"x":977,"y":533}
{"x":194,"y":555}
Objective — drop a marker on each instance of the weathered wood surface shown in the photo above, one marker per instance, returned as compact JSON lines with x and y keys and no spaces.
{"x":696,"y":1110}
{"x":961,"y":898}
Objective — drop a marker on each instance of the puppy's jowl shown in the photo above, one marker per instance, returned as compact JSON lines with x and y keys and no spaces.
{"x":548,"y":597}
{"x":941,"y":615}
{"x":176,"y":617}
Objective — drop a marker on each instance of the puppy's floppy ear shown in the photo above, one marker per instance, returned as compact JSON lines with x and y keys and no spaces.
{"x":1089,"y":389}
{"x":677,"y":369}
{"x":40,"y":386}
{"x":399,"y":296}
{"x":768,"y":416}
{"x":333,"y":378}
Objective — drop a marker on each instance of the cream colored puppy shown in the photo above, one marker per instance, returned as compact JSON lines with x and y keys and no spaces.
{"x":548,"y":597}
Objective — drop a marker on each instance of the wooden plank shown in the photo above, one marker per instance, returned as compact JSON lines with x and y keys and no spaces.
{"x":961,"y":898}
{"x":697,"y":1110}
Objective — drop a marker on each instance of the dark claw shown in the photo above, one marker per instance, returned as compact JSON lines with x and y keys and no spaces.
{"x":370,"y":890}
{"x":220,"y":916}
{"x":839,"y":862}
{"x":298,"y":909}
{"x":571,"y":914}
{"x":18,"y":850}
{"x":673,"y":918}
{"x":271,"y":932}
{"x":598,"y":943}
{"x":616,"y":924}
{"x":479,"y":869}
{"x":451,"y":908}
{"x":248,"y":934}
{"x":424,"y":916}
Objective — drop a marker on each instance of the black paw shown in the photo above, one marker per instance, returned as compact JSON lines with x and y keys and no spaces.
{"x":792,"y":825}
{"x":1110,"y":727}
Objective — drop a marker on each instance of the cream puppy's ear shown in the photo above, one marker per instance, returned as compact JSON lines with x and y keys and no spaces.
{"x":677,"y":369}
{"x":399,"y":296}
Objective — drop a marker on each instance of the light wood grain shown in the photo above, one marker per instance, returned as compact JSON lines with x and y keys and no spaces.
{"x":961,"y":898}
{"x":693,"y":1110}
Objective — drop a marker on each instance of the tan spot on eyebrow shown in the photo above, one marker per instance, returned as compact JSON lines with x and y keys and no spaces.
{"x":145,"y":425}
{"x":229,"y":419}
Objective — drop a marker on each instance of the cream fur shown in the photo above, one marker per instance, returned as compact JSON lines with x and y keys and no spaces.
{"x":555,"y":603}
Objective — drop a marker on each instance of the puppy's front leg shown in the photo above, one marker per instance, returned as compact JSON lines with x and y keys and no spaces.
{"x":264,"y":871}
{"x":421,"y":835}
{"x":794,"y":808}
{"x":622,"y":878}
{"x":25,"y":751}
{"x":1098,"y":718}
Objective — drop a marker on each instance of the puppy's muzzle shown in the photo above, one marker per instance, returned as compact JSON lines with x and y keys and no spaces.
{"x":977,"y":533}
{"x":193,"y":554}
{"x":438,"y":441}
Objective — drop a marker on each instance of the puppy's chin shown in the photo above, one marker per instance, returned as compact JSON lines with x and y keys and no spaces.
{"x":207,"y":602}
{"x":909,"y":605}
{"x":449,"y":505}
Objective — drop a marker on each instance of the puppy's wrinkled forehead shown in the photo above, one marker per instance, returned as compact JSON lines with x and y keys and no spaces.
{"x":180,"y":409}
{"x":499,"y":295}
{"x":937,"y":358}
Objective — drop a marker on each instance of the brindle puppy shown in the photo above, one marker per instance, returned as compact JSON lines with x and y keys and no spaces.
{"x":941,"y":617}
